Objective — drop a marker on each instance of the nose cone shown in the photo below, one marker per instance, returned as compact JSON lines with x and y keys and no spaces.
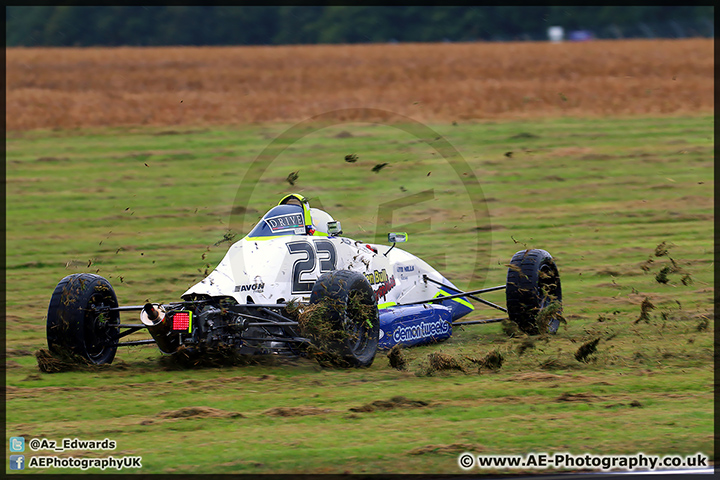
{"x":255,"y":268}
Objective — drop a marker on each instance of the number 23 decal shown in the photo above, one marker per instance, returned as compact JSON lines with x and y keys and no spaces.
{"x":302,"y":267}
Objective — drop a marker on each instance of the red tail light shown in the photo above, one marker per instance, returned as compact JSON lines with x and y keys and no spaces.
{"x":182,"y":321}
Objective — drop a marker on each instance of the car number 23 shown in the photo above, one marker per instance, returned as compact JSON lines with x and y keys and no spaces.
{"x":318,"y":253}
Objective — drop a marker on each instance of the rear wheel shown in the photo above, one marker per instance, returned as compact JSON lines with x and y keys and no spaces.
{"x":76,"y":322}
{"x":533,"y":292}
{"x":342,"y":320}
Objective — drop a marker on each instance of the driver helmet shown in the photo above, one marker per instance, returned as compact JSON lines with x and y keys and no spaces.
{"x":320,"y":219}
{"x":297,"y":199}
{"x":293,"y":199}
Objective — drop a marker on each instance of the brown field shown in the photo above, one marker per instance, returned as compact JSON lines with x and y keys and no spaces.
{"x":90,"y":87}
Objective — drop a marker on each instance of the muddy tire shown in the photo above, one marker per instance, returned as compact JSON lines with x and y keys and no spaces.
{"x":74,"y":326}
{"x":533,"y":292}
{"x":348,"y":333}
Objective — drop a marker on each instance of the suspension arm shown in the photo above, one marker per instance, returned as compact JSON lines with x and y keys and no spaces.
{"x":469,"y":294}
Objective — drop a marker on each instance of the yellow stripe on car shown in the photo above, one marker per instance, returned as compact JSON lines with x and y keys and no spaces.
{"x":460,"y":300}
{"x":386,"y":305}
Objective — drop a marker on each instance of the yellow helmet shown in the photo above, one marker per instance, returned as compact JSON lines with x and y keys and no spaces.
{"x":297,"y":199}
{"x":294,"y":199}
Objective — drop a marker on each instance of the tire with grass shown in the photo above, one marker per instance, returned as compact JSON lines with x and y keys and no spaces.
{"x":76,"y":328}
{"x":533,"y":292}
{"x":342,"y":320}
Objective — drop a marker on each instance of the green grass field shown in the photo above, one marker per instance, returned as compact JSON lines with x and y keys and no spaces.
{"x":151,"y":210}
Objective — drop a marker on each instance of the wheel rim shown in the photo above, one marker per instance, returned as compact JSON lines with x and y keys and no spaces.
{"x":99,"y":334}
{"x":355,"y":325}
{"x":547,"y":282}
{"x":548,"y":292}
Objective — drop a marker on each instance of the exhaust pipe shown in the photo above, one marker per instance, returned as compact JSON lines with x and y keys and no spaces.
{"x":152,"y":316}
{"x":165,"y":338}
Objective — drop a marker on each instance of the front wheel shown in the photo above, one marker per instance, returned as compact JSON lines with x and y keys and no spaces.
{"x":533,"y":292}
{"x":342,"y":320}
{"x":78,"y":322}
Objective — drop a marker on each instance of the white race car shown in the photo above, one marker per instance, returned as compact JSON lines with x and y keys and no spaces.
{"x":293,"y":270}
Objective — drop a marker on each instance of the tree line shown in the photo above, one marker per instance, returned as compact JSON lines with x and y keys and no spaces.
{"x":281,"y":25}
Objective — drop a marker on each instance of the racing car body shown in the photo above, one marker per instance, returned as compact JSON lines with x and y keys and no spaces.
{"x":294,"y":257}
{"x":277,"y":262}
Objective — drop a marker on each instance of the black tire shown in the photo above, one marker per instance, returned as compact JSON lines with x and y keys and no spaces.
{"x":348,"y":307}
{"x":533,"y":292}
{"x":74,"y":326}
